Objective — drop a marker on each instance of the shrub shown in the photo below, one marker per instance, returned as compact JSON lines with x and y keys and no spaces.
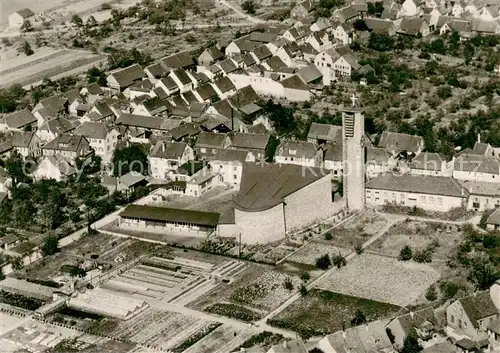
{"x":405,"y":254}
{"x":303,"y":290}
{"x":323,"y":262}
{"x":50,"y":245}
{"x":422,"y":256}
{"x":339,"y":261}
{"x":328,"y":236}
{"x":288,"y":284}
{"x":305,"y":276}
{"x":359,"y":249}
{"x":431,"y":293}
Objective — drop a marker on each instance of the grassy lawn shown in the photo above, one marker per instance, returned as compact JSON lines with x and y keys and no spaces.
{"x":322,"y":312}
{"x":234,"y":311}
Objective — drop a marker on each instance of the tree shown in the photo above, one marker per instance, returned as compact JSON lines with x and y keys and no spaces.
{"x":339,"y":261}
{"x":249,"y":6}
{"x":375,"y":8}
{"x":77,"y":272}
{"x":17,"y":169}
{"x":444,"y":92}
{"x":323,"y":262}
{"x":360,"y":25}
{"x":288,"y":284}
{"x":27,"y":49}
{"x":411,"y":344}
{"x":305,"y":276}
{"x":77,"y":20}
{"x":91,"y":22}
{"x":358,"y":319}
{"x":2,"y":276}
{"x":128,"y":159}
{"x":50,"y":245}
{"x":303,"y":290}
{"x":405,"y":254}
{"x":431,"y":293}
{"x":94,"y":74}
{"x":482,"y":273}
{"x":16,"y":263}
{"x":26,"y":26}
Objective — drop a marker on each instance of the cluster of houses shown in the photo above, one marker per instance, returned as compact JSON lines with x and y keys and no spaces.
{"x":464,"y":324}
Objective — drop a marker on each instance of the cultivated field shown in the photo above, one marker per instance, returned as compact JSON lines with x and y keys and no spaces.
{"x":323,"y":312}
{"x":223,"y":339}
{"x":45,"y":63}
{"x":7,"y":321}
{"x":310,"y":252}
{"x":418,"y":235}
{"x":382,"y":279}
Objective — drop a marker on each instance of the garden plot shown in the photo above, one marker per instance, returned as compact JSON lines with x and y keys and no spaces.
{"x":266,"y":292}
{"x":7,"y":321}
{"x":176,"y":280}
{"x":418,"y":235}
{"x":224,"y":339}
{"x":310,"y":252}
{"x":382,"y":279}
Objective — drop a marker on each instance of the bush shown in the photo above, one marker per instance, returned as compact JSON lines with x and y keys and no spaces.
{"x":288,"y":284}
{"x":50,"y":245}
{"x":303,"y":290}
{"x":444,"y":92}
{"x":305,"y":276}
{"x":328,"y":236}
{"x":234,"y":311}
{"x":405,"y":254}
{"x":422,"y":256}
{"x":431,"y":293}
{"x":339,"y":261}
{"x":359,"y":249}
{"x":323,"y":262}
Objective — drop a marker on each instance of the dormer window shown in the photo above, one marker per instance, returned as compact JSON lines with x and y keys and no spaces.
{"x":292,"y":152}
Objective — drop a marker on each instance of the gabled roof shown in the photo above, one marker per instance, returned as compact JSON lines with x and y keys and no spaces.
{"x":206,"y":91}
{"x":157,"y":105}
{"x":378,"y":25}
{"x":127,"y":76}
{"x":352,"y":60}
{"x":248,"y":59}
{"x":397,"y":142}
{"x":333,"y":152}
{"x":427,"y":161}
{"x":142,"y":86}
{"x":309,"y":5}
{"x":184,"y":130}
{"x":168,"y":150}
{"x":160,"y":92}
{"x":156,"y":70}
{"x":419,"y":184}
{"x":94,"y":88}
{"x":297,"y":149}
{"x":227,"y":66}
{"x":212,"y":121}
{"x":65,"y":142}
{"x":20,"y":119}
{"x":171,"y":215}
{"x":294,"y":82}
{"x":275,"y":63}
{"x":494,"y":218}
{"x":177,"y":61}
{"x":60,"y":125}
{"x":481,"y":148}
{"x":265,"y":186}
{"x":182,"y":75}
{"x":263,"y":37}
{"x":25,"y":13}
{"x":130,"y":179}
{"x":104,"y":109}
{"x":414,"y":320}
{"x":214,"y":53}
{"x":325,"y":132}
{"x":249,"y":141}
{"x":210,"y":140}
{"x":224,"y":84}
{"x":92,"y":130}
{"x":298,"y":33}
{"x":189,"y":97}
{"x":73,"y":95}
{"x":309,"y":73}
{"x":482,"y":188}
{"x":477,"y":163}
{"x":478,"y":306}
{"x":262,"y":52}
{"x":229,"y":155}
{"x":411,"y":25}
{"x":376,"y":155}
{"x":244,"y":96}
{"x":148,"y":122}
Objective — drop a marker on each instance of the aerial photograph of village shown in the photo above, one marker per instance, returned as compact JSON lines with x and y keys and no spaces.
{"x":255,"y":176}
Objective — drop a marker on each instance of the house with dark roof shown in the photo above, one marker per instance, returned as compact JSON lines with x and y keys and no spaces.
{"x":377,"y":161}
{"x":183,"y":80}
{"x":139,"y":88}
{"x":209,"y":56}
{"x":323,"y":133}
{"x":470,"y":316}
{"x":91,"y":92}
{"x":145,"y":125}
{"x":297,"y":35}
{"x":227,"y":66}
{"x":53,"y":128}
{"x":185,"y":132}
{"x":154,"y":107}
{"x":155,"y":71}
{"x":333,"y":158}
{"x":54,"y":167}
{"x":16,"y":19}
{"x":431,"y":193}
{"x":104,"y":111}
{"x":228,"y":163}
{"x":295,"y":90}
{"x":493,"y":221}
{"x":302,"y":153}
{"x":380,"y":26}
{"x":208,"y":143}
{"x":476,"y":167}
{"x":182,"y":60}
{"x":303,"y":9}
{"x":261,"y":53}
{"x":20,"y":120}
{"x":256,"y":144}
{"x":23,"y":142}
{"x":427,"y":163}
{"x":215,"y":123}
{"x":206,"y":93}
{"x":168,"y":85}
{"x":310,"y":75}
{"x":398,"y":143}
{"x":68,"y":146}
{"x":102,"y":138}
{"x":224,"y":87}
{"x":424,"y":322}
{"x":275,"y":199}
{"x":414,"y":26}
{"x":120,"y":79}
{"x":166,"y":157}
{"x":346,"y":65}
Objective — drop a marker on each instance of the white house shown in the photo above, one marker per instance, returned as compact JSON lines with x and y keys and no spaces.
{"x":53,"y":167}
{"x":102,"y":138}
{"x":295,"y":90}
{"x":302,"y":153}
{"x":346,"y":65}
{"x":182,"y":80}
{"x":17,"y":19}
{"x":476,"y":168}
{"x":202,"y":181}
{"x":166,"y":157}
{"x":410,"y":8}
{"x":482,"y":195}
{"x":229,"y":164}
{"x":430,"y":193}
{"x":169,"y":85}
{"x":431,"y":164}
{"x":343,"y":33}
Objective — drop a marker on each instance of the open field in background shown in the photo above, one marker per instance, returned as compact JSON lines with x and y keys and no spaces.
{"x":322,"y":312}
{"x":418,"y":235}
{"x":311,"y":251}
{"x":382,"y":279}
{"x":51,"y":62}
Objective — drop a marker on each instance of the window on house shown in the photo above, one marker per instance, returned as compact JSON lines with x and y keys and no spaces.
{"x":440,"y":200}
{"x":452,"y":319}
{"x":431,"y":200}
{"x":235,"y":176}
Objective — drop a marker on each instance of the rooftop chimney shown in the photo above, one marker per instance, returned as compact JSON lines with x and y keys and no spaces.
{"x":163,"y":146}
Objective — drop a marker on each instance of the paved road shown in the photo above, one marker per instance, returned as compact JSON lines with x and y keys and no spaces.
{"x":206,"y":25}
{"x":240,"y":13}
{"x":262,"y":323}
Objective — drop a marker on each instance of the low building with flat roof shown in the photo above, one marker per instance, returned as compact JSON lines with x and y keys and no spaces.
{"x":168,"y":220}
{"x":27,"y":289}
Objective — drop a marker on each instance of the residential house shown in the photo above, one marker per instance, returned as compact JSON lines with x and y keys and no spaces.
{"x":391,"y":11}
{"x":343,"y":32}
{"x":26,"y":143}
{"x":367,"y":338}
{"x":431,"y":164}
{"x":293,"y":346}
{"x":224,"y":87}
{"x":202,"y":181}
{"x":168,"y":85}
{"x":303,"y":9}
{"x":347,"y":14}
{"x":333,"y":160}
{"x":126,"y":183}
{"x":470,"y":316}
{"x":414,"y":26}
{"x":54,"y":167}
{"x":480,"y":27}
{"x":56,"y":103}
{"x":104,"y":112}
{"x":146,"y":125}
{"x":74,"y":100}
{"x":120,"y":79}
{"x":493,"y":221}
{"x":166,"y":157}
{"x":467,"y":166}
{"x":207,"y":144}
{"x":182,"y":60}
{"x":8,"y":242}
{"x":323,"y":133}
{"x":155,"y":71}
{"x":487,"y":13}
{"x":297,"y":35}
{"x":68,"y":146}
{"x":209,"y":56}
{"x":53,"y":128}
{"x":311,"y":75}
{"x":325,"y":62}
{"x":455,"y":25}
{"x":381,"y":26}
{"x":18,"y":121}
{"x":432,"y":16}
{"x":295,"y":90}
{"x":138,"y":89}
{"x":153,"y":107}
{"x":240,"y":45}
{"x":102,"y":138}
{"x":377,"y":161}
{"x":91,"y":92}
{"x":494,"y":335}
{"x":321,"y":24}
{"x":401,"y":144}
{"x":206,"y":93}
{"x":410,"y":8}
{"x":289,"y":53}
{"x":228,"y":66}
{"x":300,"y":153}
{"x":423,"y":322}
{"x":229,"y":164}
{"x":458,"y":8}
{"x":430,"y":193}
{"x":256,"y":144}
{"x":187,"y":170}
{"x":17,"y":19}
{"x":185,"y":132}
{"x":261,"y":53}
{"x":182,"y":79}
{"x":215,"y":123}
{"x":482,"y":195}
{"x":346,"y":65}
